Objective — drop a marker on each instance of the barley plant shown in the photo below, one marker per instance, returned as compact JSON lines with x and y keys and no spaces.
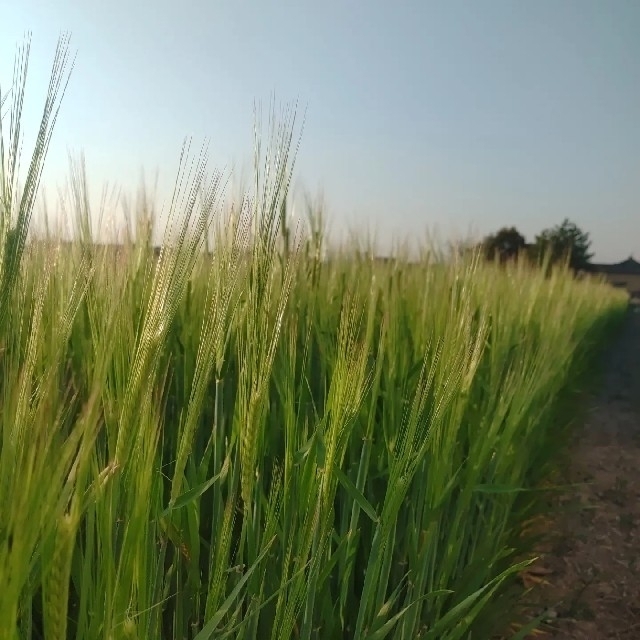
{"x":245,"y":435}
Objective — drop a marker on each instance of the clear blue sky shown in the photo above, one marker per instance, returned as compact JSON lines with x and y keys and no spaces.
{"x":450,"y":114}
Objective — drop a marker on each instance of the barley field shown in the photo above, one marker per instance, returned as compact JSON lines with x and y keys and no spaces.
{"x":252,"y":435}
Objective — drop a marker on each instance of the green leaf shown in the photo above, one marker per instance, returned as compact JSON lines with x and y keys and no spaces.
{"x":467,"y":609}
{"x":196,"y":492}
{"x":499,"y":488}
{"x":356,"y":494}
{"x":302,"y":453}
{"x":209,"y":629}
{"x":381,"y":632}
{"x":529,"y":627}
{"x":386,"y":628}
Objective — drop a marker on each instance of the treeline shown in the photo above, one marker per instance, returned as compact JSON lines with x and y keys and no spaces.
{"x":565,"y":243}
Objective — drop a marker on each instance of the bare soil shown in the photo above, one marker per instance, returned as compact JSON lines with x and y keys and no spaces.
{"x":588,"y":577}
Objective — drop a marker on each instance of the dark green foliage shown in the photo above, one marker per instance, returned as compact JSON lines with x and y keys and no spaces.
{"x":564,"y":243}
{"x":504,"y":245}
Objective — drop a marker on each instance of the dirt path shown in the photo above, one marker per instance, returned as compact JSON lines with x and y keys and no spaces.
{"x":593,"y":564}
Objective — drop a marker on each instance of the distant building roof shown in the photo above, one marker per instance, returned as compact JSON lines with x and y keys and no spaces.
{"x":626,"y":267}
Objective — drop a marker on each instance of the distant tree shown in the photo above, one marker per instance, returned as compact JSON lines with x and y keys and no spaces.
{"x":565,"y":242}
{"x":504,"y":245}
